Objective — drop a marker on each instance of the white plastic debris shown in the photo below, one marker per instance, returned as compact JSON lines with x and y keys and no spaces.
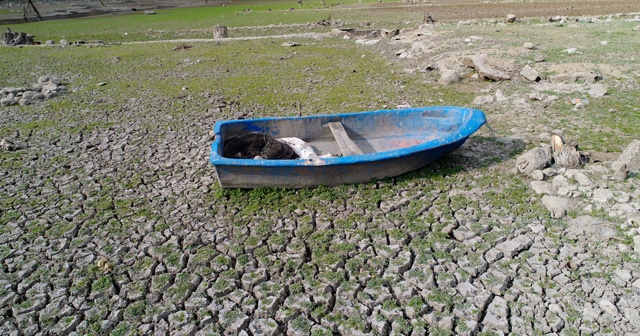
{"x":303,"y":149}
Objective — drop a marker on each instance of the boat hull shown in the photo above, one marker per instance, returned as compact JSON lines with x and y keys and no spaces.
{"x":455,"y":125}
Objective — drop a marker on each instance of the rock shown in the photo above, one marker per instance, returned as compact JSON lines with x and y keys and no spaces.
{"x":28,"y":97}
{"x":267,"y":327}
{"x":598,"y":90}
{"x":621,"y":173}
{"x":290,"y":44}
{"x":580,"y":177}
{"x":587,"y":77}
{"x":629,"y":157}
{"x":64,"y":43}
{"x":541,"y":187}
{"x":537,"y":96}
{"x":500,"y":97}
{"x":449,"y":77}
{"x":608,"y":307}
{"x":602,"y":195}
{"x":537,"y":175}
{"x":511,"y":18}
{"x":587,"y":227}
{"x":233,"y":320}
{"x":483,"y":100}
{"x":557,"y":206}
{"x":513,"y":247}
{"x":529,"y":45}
{"x":535,"y":159}
{"x":530,"y":74}
{"x":149,"y":12}
{"x":65,"y":325}
{"x":623,"y":274}
{"x":636,"y":243}
{"x":486,"y":71}
{"x":12,"y":145}
{"x":389,"y":32}
{"x":539,"y":58}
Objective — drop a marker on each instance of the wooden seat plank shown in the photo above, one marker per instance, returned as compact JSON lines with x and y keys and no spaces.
{"x":347,"y":146}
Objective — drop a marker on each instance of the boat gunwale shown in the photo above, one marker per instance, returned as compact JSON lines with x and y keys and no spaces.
{"x":468,"y":126}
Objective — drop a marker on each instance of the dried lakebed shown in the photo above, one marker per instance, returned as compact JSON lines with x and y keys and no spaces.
{"x":121,"y":229}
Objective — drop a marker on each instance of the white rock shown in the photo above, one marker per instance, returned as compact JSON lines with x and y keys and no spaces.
{"x":483,"y":100}
{"x":623,"y":274}
{"x":530,"y":74}
{"x":557,"y":206}
{"x":529,"y":45}
{"x":608,"y":307}
{"x":583,"y":179}
{"x":598,"y":90}
{"x":629,"y":157}
{"x":602,"y":195}
{"x":541,"y":187}
{"x":500,"y":97}
{"x":449,"y":77}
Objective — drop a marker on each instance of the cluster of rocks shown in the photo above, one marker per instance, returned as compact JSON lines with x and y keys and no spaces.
{"x":46,"y":88}
{"x":565,"y":189}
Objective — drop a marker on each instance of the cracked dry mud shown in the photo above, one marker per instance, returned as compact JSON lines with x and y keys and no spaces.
{"x":122,"y":230}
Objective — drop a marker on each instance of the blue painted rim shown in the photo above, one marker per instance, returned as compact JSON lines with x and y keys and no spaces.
{"x":471,"y":125}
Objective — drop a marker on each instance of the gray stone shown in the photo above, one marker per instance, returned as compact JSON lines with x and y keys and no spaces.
{"x":513,"y":247}
{"x":636,"y":243}
{"x":602,"y":195}
{"x":529,"y":45}
{"x":537,"y":96}
{"x":530,"y":74}
{"x":264,"y":326}
{"x":537,"y":175}
{"x":66,"y":325}
{"x":483,"y":100}
{"x":500,"y":97}
{"x":629,"y":157}
{"x":541,"y":187}
{"x":449,"y":77}
{"x":589,"y":228}
{"x":598,"y":90}
{"x":623,"y":274}
{"x":494,"y":322}
{"x":233,"y":320}
{"x":608,"y":307}
{"x":511,"y":18}
{"x":485,"y":71}
{"x":582,"y":179}
{"x":557,"y":206}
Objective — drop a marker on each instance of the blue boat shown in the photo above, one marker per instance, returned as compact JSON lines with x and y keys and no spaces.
{"x":351,"y":147}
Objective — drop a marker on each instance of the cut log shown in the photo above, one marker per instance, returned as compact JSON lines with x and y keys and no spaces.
{"x":486,"y":71}
{"x":14,"y":38}
{"x":535,"y":159}
{"x":347,"y":146}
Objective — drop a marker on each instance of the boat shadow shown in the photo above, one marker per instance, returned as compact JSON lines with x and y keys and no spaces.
{"x":476,"y":153}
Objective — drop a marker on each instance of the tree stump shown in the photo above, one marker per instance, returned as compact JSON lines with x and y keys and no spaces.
{"x":565,"y":155}
{"x":13,"y":39}
{"x":220,"y":32}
